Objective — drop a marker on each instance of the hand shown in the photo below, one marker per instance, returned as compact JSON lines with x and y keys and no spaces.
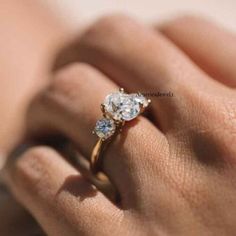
{"x":176,"y":170}
{"x":27,"y":53}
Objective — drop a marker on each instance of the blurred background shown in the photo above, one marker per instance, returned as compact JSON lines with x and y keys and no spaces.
{"x":80,"y":12}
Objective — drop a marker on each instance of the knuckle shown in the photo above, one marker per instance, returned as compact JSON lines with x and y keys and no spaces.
{"x":180,"y":23}
{"x":112,"y":21}
{"x":108,"y":26}
{"x":70,"y":75}
{"x":35,"y":152}
{"x":29,"y":169}
{"x":70,"y":81}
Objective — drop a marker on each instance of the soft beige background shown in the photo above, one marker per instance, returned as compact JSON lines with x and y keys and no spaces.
{"x":77,"y":12}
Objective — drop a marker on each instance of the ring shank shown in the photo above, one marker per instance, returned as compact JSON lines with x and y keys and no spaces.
{"x":95,"y":161}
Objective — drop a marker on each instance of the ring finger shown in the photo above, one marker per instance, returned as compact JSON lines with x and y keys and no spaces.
{"x":72,"y":106}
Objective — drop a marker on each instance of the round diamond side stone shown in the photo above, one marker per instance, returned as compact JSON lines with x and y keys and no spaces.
{"x":105,"y":128}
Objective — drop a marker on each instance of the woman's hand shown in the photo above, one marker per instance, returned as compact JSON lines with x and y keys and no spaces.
{"x":176,"y":170}
{"x":30,"y":36}
{"x":30,"y":39}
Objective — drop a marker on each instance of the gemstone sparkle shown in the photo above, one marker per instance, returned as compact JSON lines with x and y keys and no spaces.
{"x":122,"y":106}
{"x":105,"y":128}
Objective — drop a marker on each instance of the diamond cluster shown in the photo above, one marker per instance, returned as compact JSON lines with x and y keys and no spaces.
{"x":119,"y":107}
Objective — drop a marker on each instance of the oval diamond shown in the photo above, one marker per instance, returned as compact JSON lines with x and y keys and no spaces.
{"x":122,"y":106}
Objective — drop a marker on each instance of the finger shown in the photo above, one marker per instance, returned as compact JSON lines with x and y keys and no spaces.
{"x":61,"y":200}
{"x":71,"y":106}
{"x":208,"y":45}
{"x":12,"y":213}
{"x":136,"y":58}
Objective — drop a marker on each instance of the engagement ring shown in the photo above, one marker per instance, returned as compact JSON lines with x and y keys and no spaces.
{"x":117,"y":108}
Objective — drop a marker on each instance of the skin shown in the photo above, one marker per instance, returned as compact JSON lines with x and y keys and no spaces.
{"x":175,"y":169}
{"x":30,"y":38}
{"x":26,"y":61}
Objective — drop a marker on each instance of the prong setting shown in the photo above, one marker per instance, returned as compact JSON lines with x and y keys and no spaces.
{"x":102,"y":108}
